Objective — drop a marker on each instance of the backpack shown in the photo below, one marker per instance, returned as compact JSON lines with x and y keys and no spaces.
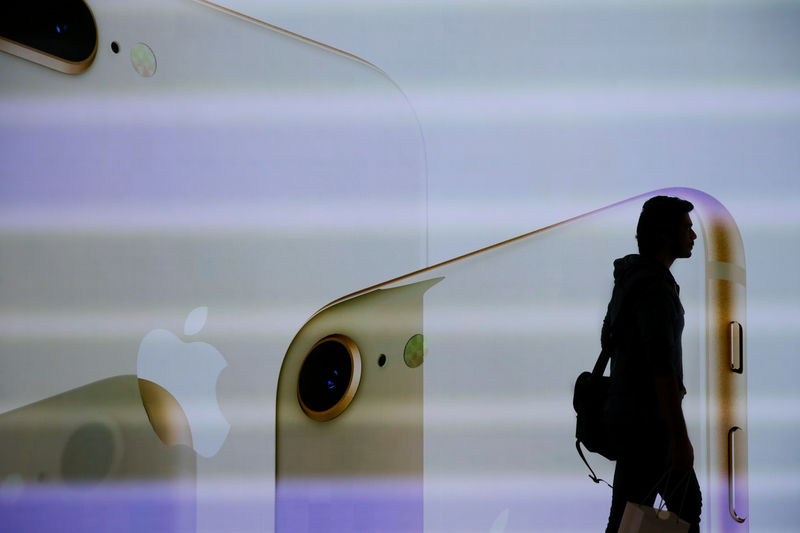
{"x":588,"y":400}
{"x":591,"y":388}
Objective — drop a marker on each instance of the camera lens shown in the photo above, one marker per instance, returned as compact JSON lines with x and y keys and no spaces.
{"x":64,"y":29}
{"x":89,"y":453}
{"x":329,"y":377}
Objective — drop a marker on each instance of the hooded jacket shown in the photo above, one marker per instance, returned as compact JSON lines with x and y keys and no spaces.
{"x":642,"y":328}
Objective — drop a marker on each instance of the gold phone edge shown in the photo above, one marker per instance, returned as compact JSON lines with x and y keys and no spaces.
{"x":726,"y":386}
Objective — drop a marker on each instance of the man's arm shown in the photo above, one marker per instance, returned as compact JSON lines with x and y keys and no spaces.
{"x":667,"y":390}
{"x":657,"y":325}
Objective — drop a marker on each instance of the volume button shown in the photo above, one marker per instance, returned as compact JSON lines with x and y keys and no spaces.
{"x":737,"y":347}
{"x":733,"y":481}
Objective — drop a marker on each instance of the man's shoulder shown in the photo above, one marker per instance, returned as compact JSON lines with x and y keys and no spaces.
{"x":643,"y":281}
{"x":634,"y":272}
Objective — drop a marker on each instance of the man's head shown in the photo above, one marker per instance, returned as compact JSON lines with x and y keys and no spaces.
{"x":665,"y":230}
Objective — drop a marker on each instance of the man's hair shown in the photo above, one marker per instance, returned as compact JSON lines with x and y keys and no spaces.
{"x":660,"y":216}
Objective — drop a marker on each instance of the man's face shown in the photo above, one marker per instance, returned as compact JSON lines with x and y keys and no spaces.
{"x":683,"y":240}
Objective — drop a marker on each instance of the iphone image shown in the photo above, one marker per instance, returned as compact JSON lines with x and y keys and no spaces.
{"x":181,"y":185}
{"x":441,"y":401}
{"x":115,"y":451}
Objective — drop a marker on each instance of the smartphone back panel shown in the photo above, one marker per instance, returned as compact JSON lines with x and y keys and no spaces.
{"x":507,"y":330}
{"x":251,"y":173}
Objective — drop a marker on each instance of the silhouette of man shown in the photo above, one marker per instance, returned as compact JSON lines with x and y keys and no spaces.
{"x":643,"y":327}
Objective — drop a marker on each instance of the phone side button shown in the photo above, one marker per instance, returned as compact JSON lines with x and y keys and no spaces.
{"x":737,"y":347}
{"x":737,"y":491}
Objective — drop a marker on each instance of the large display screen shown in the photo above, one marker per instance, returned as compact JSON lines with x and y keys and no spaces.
{"x":175,"y":207}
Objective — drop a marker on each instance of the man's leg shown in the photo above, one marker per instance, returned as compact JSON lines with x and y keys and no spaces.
{"x":682,"y":496}
{"x":643,"y":460}
{"x":635,"y":481}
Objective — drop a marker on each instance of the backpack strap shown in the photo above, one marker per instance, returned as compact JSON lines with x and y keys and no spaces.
{"x":592,"y":476}
{"x":602,"y":361}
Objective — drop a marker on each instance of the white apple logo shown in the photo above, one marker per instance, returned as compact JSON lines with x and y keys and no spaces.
{"x":499,"y":525}
{"x":189,"y":372}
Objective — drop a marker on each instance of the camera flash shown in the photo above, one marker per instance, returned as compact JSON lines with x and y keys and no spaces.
{"x":415,"y":350}
{"x":143,"y":60}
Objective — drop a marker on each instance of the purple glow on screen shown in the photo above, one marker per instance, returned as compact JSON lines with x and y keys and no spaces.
{"x":340,"y":506}
{"x":120,"y":507}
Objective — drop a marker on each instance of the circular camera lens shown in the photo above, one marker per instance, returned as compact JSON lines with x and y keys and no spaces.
{"x":89,"y":453}
{"x":329,"y":377}
{"x":62,"y":28}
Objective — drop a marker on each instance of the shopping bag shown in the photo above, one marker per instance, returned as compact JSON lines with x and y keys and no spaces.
{"x":643,"y":519}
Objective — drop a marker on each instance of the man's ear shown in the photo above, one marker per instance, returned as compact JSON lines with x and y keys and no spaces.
{"x":670,"y":242}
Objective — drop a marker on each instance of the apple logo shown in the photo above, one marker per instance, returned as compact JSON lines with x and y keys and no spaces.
{"x":500,"y":523}
{"x":189,"y":372}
